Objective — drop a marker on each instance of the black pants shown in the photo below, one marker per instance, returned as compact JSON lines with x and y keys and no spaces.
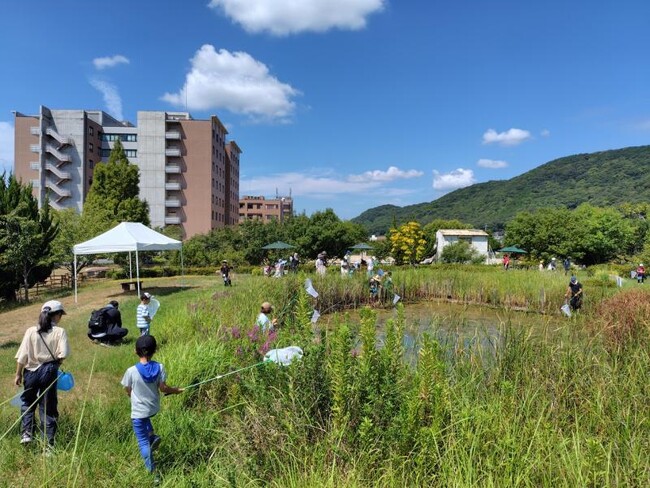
{"x":113,"y":334}
{"x":35,"y":383}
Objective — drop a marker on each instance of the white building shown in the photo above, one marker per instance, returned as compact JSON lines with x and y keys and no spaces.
{"x":478,"y":239}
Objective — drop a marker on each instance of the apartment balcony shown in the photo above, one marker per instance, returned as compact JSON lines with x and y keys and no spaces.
{"x":63,"y":175}
{"x":173,"y":185}
{"x":173,"y":151}
{"x":62,"y":140}
{"x":172,"y":220}
{"x":173,"y":135}
{"x":173,"y":169}
{"x":66,"y":158}
{"x":35,"y":148}
{"x":35,"y":131}
{"x":172,"y":203}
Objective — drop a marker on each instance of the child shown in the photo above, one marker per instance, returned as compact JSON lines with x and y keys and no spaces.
{"x":143,"y":319}
{"x":143,"y":383}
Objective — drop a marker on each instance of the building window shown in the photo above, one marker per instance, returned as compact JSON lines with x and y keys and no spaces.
{"x":91,"y":131}
{"x":91,"y":164}
{"x":131,"y":153}
{"x":91,"y":147}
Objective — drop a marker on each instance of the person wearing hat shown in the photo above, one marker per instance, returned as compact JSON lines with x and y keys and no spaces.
{"x":225,"y":273}
{"x":143,"y":383}
{"x":41,"y":351}
{"x":574,"y":294}
{"x":142,"y":316}
{"x":263,"y":320}
{"x":640,"y":273}
{"x":111,"y":332}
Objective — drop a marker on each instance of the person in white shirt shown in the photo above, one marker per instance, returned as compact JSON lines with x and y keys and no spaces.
{"x":263,"y":320}
{"x":41,"y":352}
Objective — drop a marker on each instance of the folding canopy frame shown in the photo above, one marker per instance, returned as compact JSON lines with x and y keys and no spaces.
{"x":126,"y":237}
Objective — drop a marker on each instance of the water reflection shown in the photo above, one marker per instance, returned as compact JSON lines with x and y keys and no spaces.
{"x":460,"y":329}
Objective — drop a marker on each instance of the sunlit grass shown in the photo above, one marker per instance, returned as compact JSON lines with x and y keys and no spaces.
{"x":558,"y":407}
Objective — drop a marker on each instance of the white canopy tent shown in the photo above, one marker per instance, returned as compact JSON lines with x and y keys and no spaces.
{"x":126,"y":237}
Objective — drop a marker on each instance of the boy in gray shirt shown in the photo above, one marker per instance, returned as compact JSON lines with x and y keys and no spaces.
{"x":143,"y":383}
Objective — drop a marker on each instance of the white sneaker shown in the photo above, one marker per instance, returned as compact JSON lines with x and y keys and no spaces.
{"x":26,"y":439}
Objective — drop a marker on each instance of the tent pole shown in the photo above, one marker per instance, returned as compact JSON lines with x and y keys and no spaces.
{"x":182,"y":269}
{"x":75,"y":278}
{"x":137,"y":271}
{"x":130,"y":268}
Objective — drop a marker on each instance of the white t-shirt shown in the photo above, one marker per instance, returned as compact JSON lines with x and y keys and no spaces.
{"x":264,"y":322}
{"x":33,"y":353}
{"x":145,"y":397}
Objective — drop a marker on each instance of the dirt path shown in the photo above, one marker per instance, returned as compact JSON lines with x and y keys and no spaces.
{"x":14,"y":322}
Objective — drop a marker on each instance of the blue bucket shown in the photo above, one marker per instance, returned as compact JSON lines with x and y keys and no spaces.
{"x":65,"y":382}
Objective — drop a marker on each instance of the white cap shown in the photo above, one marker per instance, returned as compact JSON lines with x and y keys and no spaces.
{"x":52,"y":306}
{"x":147,"y":295}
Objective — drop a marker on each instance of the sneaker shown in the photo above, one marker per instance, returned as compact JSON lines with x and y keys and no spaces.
{"x":156,"y":479}
{"x":49,"y":451}
{"x":106,"y":344}
{"x":26,"y":439}
{"x":155,"y":442}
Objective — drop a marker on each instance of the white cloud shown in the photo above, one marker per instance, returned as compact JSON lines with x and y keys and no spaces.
{"x":511,"y":137}
{"x":236,"y":82}
{"x":283,"y":17}
{"x":458,"y":178}
{"x":110,"y":61}
{"x":6,"y":146}
{"x":326,"y":185}
{"x":111,"y":96}
{"x":545,"y":133}
{"x":491,"y":163}
{"x":393,"y":173}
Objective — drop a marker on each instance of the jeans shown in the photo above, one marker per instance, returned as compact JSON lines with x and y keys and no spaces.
{"x":144,"y":433}
{"x":35,"y":383}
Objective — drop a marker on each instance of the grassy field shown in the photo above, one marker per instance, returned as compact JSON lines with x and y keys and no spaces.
{"x":567,"y":409}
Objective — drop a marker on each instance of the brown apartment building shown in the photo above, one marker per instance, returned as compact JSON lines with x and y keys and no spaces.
{"x":265,"y":209}
{"x":189,"y":173}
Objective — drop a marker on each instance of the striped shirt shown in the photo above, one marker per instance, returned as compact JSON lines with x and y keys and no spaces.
{"x":141,"y":316}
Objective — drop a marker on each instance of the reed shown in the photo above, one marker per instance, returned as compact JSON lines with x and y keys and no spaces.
{"x":561,"y":407}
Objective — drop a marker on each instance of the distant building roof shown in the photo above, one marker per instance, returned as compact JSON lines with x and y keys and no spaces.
{"x":462,"y":232}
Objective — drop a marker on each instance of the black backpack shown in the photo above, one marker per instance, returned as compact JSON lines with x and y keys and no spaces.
{"x":98,"y":319}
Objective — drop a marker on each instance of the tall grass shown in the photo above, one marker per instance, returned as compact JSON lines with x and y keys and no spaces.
{"x":561,"y":408}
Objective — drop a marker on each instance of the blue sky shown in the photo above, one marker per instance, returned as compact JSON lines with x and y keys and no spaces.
{"x":348,"y":104}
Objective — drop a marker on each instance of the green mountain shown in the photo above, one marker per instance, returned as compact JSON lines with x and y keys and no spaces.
{"x":602,"y":179}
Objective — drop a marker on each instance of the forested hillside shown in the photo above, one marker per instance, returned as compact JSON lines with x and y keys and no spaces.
{"x":602,"y":179}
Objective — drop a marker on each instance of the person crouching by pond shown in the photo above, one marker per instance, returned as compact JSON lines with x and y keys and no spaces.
{"x":41,"y":352}
{"x":574,"y":294}
{"x":263,"y":320}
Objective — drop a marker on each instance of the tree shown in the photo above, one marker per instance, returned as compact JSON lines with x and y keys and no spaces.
{"x":587,"y":234}
{"x":26,"y":234}
{"x":71,"y":232}
{"x":408,"y":243}
{"x":113,"y":195}
{"x":461,"y":252}
{"x":601,"y":234}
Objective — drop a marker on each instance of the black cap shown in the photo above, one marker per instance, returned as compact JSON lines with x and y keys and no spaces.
{"x":146,"y":343}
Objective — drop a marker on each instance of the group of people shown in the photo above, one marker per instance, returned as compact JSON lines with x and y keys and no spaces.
{"x":106,"y":328}
{"x":43,"y":349}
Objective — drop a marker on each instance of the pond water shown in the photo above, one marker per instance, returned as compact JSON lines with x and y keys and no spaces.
{"x":464,"y":328}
